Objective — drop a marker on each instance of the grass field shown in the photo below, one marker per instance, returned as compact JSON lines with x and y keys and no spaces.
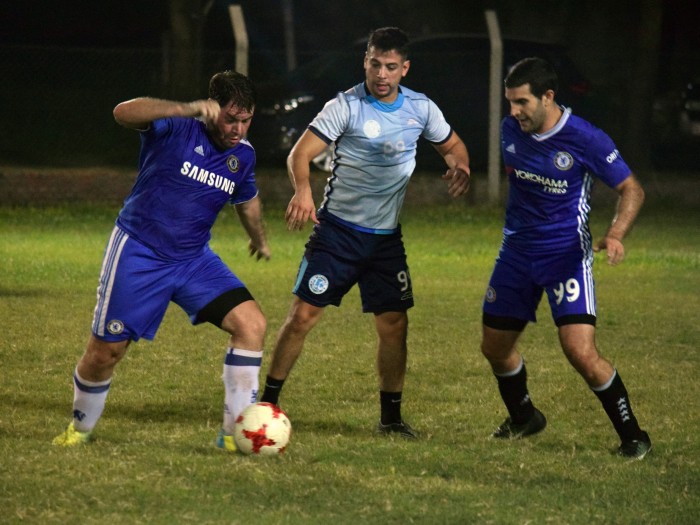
{"x":153,"y":459}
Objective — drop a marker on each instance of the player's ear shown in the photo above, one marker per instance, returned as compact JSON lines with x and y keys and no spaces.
{"x":548,"y":97}
{"x":405,"y":67}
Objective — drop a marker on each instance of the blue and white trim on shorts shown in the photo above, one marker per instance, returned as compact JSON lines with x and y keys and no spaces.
{"x":107,"y":275}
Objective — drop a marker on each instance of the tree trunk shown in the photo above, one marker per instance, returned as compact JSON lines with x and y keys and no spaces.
{"x":185,"y":50}
{"x":637,"y":149}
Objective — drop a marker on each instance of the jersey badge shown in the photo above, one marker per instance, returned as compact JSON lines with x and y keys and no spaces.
{"x":233,"y":164}
{"x":115,"y":327}
{"x":563,"y":160}
{"x":372,"y":129}
{"x":490,"y":295}
{"x":199,"y":150}
{"x":318,"y":284}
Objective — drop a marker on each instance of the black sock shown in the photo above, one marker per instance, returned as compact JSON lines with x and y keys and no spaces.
{"x":390,"y":403}
{"x":513,"y":389}
{"x":617,"y":406}
{"x":273,"y":387}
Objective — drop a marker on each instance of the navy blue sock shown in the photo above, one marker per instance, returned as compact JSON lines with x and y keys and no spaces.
{"x":513,"y":389}
{"x":390,"y":403}
{"x":273,"y":387}
{"x":617,"y":406}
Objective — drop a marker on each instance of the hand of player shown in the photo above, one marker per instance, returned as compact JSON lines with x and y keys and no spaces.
{"x":207,"y":110}
{"x":300,"y":209}
{"x":614,"y":247}
{"x":458,"y":181}
{"x":260,"y":252}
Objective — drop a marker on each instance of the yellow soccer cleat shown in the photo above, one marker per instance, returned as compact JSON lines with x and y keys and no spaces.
{"x":225,"y":441}
{"x":71,"y":437}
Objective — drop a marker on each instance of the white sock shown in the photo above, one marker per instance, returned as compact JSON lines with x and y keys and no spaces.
{"x":88,"y":402}
{"x":241,"y":371}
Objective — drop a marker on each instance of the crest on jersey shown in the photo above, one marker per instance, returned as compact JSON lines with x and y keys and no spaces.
{"x":318,"y":284}
{"x":372,"y":129}
{"x":115,"y":327}
{"x":563,"y":160}
{"x":233,"y":163}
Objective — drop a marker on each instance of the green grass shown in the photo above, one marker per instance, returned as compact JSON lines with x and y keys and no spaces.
{"x":153,"y":460}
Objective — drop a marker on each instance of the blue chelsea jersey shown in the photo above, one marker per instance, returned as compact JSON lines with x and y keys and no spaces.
{"x":183,"y":183}
{"x":375,"y":149}
{"x":551,"y":176}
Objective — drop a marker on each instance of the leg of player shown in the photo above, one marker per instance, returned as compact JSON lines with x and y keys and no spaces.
{"x":91,"y":382}
{"x":500,"y":349}
{"x":246,"y":324}
{"x":578,"y":343}
{"x":392,"y":350}
{"x":301,"y":318}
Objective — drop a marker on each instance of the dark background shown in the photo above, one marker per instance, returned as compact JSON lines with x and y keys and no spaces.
{"x":64,"y":65}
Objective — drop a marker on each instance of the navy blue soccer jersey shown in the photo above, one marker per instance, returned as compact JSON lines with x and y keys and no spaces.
{"x":551,"y":175}
{"x":183,"y":183}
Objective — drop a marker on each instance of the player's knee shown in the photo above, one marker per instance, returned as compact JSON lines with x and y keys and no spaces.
{"x":246,"y":323}
{"x":103,"y":355}
{"x":255,"y":325}
{"x":392,"y":326}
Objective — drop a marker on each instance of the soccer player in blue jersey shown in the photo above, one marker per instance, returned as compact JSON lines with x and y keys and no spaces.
{"x":194,"y":160}
{"x":374,"y":127}
{"x":551,"y":157}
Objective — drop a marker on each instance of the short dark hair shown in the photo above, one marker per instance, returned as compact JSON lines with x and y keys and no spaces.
{"x":537,"y":72}
{"x":231,"y":86}
{"x":388,"y":39}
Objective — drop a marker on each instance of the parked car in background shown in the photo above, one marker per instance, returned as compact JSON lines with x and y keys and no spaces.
{"x":676,"y":127}
{"x":452,"y":69}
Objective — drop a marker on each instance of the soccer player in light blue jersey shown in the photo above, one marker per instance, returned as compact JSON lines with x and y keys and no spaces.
{"x":374,"y":128}
{"x":551,"y":157}
{"x":194,"y":160}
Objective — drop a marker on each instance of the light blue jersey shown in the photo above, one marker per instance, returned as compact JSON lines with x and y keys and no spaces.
{"x":375,"y":150}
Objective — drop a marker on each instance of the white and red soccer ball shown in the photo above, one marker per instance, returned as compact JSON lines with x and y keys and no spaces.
{"x":262,"y":428}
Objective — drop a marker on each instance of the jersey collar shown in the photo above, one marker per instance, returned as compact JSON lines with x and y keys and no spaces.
{"x":383,"y":106}
{"x":565,"y":114}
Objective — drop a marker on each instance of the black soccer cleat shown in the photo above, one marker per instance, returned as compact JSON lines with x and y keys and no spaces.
{"x":403,"y":429}
{"x":509,"y":430}
{"x":635,"y":448}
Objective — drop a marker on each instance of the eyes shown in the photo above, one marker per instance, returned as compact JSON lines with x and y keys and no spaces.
{"x":234,"y":120}
{"x":375,"y":64}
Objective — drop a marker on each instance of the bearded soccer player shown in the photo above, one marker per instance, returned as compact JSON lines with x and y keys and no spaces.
{"x":194,"y":160}
{"x":551,"y":157}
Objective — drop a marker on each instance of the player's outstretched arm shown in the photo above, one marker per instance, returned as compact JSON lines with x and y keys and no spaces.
{"x":250,"y":215}
{"x":628,"y":206}
{"x":138,"y":113}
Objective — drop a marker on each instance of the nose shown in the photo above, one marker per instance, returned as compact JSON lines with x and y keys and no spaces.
{"x":514,"y":110}
{"x":237,"y":127}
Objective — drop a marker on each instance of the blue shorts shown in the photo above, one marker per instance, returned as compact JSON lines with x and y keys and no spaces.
{"x":518,"y":280}
{"x":136,"y":286}
{"x":337,"y":257}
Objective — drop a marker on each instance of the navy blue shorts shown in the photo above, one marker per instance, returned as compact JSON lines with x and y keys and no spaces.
{"x":519,"y":280}
{"x":337,"y":257}
{"x":136,"y":287}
